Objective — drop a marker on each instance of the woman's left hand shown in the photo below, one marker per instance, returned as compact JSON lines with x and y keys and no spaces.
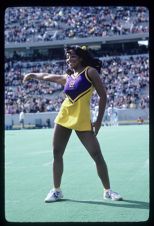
{"x":96,"y":126}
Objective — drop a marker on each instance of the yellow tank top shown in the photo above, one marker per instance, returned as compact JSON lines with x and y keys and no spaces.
{"x":75,"y":110}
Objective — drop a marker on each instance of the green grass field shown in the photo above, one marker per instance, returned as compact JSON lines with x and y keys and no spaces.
{"x":28,"y":177}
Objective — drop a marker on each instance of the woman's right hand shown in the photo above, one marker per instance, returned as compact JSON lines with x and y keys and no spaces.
{"x":27,"y":77}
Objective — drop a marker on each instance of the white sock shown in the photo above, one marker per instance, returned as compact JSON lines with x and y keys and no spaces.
{"x":57,"y":189}
{"x":106,"y":190}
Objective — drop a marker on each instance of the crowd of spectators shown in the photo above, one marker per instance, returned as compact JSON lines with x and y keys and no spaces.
{"x":126,"y":80}
{"x":25,"y":24}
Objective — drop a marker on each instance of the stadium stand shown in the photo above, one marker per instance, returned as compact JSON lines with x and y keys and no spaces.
{"x":125,"y":69}
{"x":24,"y":24}
{"x":126,"y":79}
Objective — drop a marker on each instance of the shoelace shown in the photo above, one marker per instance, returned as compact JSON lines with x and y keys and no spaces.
{"x":113,"y":193}
{"x":55,"y":193}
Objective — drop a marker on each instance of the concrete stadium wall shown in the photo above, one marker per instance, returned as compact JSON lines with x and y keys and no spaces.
{"x":31,"y":119}
{"x":40,"y":119}
{"x":133,"y":114}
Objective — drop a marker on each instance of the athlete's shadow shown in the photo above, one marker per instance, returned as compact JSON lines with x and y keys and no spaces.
{"x":124,"y":203}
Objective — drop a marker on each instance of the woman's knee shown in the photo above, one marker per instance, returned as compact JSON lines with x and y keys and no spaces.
{"x":57,"y":153}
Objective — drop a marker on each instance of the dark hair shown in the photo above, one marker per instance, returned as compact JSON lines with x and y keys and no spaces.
{"x":87,"y":58}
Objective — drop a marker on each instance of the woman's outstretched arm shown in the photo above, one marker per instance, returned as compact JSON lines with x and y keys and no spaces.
{"x":60,"y":79}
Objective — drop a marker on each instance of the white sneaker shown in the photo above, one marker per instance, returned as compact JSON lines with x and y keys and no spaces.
{"x":53,"y":196}
{"x":112,"y":195}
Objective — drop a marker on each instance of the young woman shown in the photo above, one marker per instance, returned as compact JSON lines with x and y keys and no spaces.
{"x":79,"y":82}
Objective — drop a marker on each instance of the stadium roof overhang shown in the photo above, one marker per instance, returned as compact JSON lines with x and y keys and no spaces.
{"x":78,"y":41}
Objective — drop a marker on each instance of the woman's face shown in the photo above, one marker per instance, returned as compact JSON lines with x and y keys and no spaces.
{"x":73,"y":60}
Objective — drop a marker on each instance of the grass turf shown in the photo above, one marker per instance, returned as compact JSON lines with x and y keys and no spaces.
{"x":28,"y":177}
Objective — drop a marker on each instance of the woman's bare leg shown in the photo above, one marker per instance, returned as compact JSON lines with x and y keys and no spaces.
{"x":90,"y":142}
{"x":60,"y":140}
